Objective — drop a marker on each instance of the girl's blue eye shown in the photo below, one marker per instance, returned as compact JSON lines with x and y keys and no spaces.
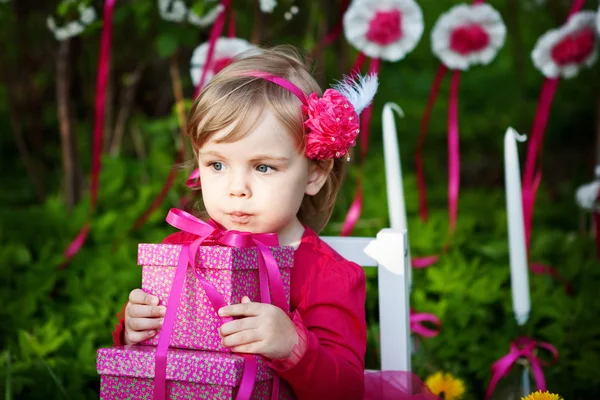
{"x":217,"y":166}
{"x":262,"y":168}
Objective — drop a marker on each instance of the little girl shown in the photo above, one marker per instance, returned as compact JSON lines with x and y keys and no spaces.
{"x":271,"y":154}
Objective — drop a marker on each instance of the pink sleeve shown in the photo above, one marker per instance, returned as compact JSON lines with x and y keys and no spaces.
{"x":299,"y":348}
{"x":332,"y":366}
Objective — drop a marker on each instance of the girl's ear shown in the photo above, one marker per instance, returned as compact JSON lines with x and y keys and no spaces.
{"x":318,"y":171}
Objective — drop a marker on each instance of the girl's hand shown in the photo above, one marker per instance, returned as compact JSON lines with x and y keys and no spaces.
{"x":143,"y":316}
{"x":265,"y":330}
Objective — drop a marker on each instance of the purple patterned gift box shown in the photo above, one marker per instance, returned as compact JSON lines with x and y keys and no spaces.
{"x":127,"y":373}
{"x":234,"y":273}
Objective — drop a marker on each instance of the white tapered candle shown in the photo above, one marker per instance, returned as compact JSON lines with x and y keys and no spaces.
{"x":519,"y":272}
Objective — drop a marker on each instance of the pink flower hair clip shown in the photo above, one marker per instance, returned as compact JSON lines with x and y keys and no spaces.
{"x":332,"y":122}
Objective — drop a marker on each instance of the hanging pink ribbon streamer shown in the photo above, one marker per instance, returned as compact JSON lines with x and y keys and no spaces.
{"x":100,"y":105}
{"x":335,"y":31}
{"x":356,"y":207}
{"x":522,"y":348}
{"x":532,"y":171}
{"x":433,"y":94}
{"x":212,"y":233}
{"x":453,"y":152}
{"x":541,"y":269}
{"x":533,"y":149}
{"x":215,"y":32}
{"x":417,"y":327}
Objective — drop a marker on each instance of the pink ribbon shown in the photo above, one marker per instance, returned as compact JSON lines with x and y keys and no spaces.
{"x":211,"y":233}
{"x":531,"y":177}
{"x":356,"y":207}
{"x":523,"y":347}
{"x":417,"y":327}
{"x":433,"y":94}
{"x":424,"y":262}
{"x":541,"y":269}
{"x":453,"y":152}
{"x":335,"y":31}
{"x":193,"y":181}
{"x":214,"y":35}
{"x":100,"y":105}
{"x":532,"y":174}
{"x":215,"y":32}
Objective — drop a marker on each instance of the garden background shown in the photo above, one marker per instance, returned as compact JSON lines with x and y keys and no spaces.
{"x":53,"y":318}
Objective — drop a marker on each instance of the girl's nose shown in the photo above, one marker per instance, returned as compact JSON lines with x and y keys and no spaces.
{"x":239,"y":186}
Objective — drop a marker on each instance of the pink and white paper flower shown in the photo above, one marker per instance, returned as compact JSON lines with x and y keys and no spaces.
{"x":598,"y":20}
{"x":225,"y":50}
{"x":385,"y":29}
{"x":87,"y":15}
{"x":564,"y":51}
{"x":587,"y":195}
{"x":468,"y":35}
{"x":267,"y":6}
{"x":177,"y":11}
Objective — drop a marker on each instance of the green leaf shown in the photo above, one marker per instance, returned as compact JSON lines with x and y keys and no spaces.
{"x":166,"y":45}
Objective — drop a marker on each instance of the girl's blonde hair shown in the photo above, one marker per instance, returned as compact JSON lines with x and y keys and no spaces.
{"x":232,"y":98}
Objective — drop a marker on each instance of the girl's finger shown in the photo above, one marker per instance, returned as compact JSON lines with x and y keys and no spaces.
{"x":144,"y":324}
{"x":242,"y":310}
{"x":134,"y":337}
{"x":241,"y":338}
{"x":250,"y":348}
{"x":144,"y":311}
{"x":238,"y":325}
{"x":138,"y":296}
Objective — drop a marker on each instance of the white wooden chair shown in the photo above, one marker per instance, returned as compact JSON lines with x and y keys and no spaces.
{"x":389,"y":252}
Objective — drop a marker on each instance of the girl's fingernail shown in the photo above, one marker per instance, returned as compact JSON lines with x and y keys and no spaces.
{"x":151,"y":333}
{"x":163,"y":311}
{"x":162,"y":321}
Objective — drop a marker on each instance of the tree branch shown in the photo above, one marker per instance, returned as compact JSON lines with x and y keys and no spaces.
{"x":127,"y":99}
{"x":67,"y":138}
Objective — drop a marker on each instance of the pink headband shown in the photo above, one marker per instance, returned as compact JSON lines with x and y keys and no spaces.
{"x":332,"y":121}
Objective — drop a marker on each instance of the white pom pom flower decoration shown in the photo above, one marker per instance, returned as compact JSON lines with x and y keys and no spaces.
{"x":87,"y":15}
{"x":586,"y":196}
{"x":468,"y":35}
{"x":563,"y":52}
{"x":177,"y":11}
{"x":225,"y":50}
{"x":384,"y":29}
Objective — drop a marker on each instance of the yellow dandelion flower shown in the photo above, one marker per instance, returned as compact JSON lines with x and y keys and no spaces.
{"x":447,"y":385}
{"x":539,"y":395}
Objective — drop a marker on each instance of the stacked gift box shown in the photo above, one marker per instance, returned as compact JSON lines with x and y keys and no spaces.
{"x":197,"y":365}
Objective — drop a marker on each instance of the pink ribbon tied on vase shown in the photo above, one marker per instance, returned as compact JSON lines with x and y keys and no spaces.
{"x":417,"y":327}
{"x":523,"y":347}
{"x":212,"y":233}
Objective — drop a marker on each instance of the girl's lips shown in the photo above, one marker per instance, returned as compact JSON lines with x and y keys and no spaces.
{"x":239,"y":217}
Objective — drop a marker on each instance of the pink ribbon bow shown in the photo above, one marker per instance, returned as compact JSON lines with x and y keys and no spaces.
{"x":417,"y":327}
{"x":523,"y":347}
{"x":212,"y":233}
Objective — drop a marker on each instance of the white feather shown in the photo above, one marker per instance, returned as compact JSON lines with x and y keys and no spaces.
{"x":359,"y":91}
